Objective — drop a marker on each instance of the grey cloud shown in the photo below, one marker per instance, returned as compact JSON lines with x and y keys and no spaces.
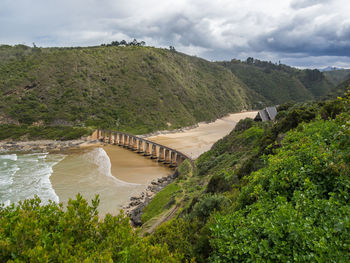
{"x":297,"y":4}
{"x":217,"y":30}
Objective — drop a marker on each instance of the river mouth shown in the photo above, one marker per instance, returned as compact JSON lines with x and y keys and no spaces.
{"x":112,"y":172}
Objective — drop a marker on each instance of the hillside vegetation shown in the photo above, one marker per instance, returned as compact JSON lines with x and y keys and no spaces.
{"x":340,"y":89}
{"x":267,"y":192}
{"x":337,"y":76}
{"x":136,"y":89}
{"x":280,"y":83}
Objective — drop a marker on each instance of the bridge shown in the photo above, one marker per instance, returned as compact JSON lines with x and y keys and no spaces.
{"x":150,"y":149}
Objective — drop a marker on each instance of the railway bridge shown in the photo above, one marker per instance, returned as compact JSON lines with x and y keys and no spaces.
{"x":150,"y":149}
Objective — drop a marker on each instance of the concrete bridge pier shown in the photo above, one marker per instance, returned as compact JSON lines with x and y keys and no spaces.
{"x":120,"y":141}
{"x":110,"y":137}
{"x":125,"y":141}
{"x":134,"y":144}
{"x":166,"y":156}
{"x":103,"y":135}
{"x":140,"y":146}
{"x":154,"y":152}
{"x":173,"y":159}
{"x":115,"y":138}
{"x":131,"y":142}
{"x":147,"y":149}
{"x":161,"y":154}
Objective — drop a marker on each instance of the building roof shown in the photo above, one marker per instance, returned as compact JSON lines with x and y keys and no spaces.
{"x":272,"y":112}
{"x":269,"y":113}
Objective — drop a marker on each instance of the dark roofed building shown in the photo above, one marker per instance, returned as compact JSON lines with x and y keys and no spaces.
{"x":267,"y":114}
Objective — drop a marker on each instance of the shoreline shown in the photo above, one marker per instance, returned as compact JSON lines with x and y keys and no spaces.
{"x":186,"y":128}
{"x":136,"y":203}
{"x":11,"y":146}
{"x":51,"y":146}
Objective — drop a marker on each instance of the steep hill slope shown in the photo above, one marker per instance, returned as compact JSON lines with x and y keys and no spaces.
{"x":337,"y":76}
{"x":279,"y":83}
{"x":138,"y":89}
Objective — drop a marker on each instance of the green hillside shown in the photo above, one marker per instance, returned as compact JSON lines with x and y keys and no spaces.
{"x":341,"y":88}
{"x":279,"y":83}
{"x":137,"y":89}
{"x":337,"y":76}
{"x":267,"y":192}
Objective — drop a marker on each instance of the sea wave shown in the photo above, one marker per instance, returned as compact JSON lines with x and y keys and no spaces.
{"x":24,"y":175}
{"x":99,"y":157}
{"x":12,"y":157}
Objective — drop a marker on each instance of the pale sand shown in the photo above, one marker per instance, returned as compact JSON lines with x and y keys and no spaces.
{"x":196,"y":141}
{"x":128,"y":166}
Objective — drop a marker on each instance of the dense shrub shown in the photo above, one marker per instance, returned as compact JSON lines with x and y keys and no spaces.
{"x":296,"y":208}
{"x":207,"y":205}
{"x":17,"y":132}
{"x":31,"y":232}
{"x":244,"y":124}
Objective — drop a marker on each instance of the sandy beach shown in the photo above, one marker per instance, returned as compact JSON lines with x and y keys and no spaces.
{"x":196,"y":141}
{"x":130,"y":167}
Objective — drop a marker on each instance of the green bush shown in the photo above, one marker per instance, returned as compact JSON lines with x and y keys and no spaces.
{"x":207,"y":205}
{"x":296,"y":208}
{"x":244,"y":124}
{"x":18,"y":132}
{"x":31,"y":232}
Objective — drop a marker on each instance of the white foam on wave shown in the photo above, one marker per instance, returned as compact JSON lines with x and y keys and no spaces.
{"x":26,"y":175}
{"x":99,"y":157}
{"x":12,"y":157}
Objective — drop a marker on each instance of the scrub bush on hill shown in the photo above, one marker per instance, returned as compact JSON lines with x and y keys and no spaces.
{"x":297,"y":207}
{"x":293,"y":208}
{"x":17,"y":132}
{"x":32,"y":232}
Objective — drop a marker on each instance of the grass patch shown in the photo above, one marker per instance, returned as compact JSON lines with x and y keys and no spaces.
{"x":160,"y":201}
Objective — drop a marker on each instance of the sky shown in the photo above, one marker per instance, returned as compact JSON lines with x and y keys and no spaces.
{"x":301,"y":33}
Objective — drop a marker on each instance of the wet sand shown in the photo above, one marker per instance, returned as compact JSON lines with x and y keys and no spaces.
{"x":114,"y":177}
{"x":128,"y":166}
{"x":196,"y":141}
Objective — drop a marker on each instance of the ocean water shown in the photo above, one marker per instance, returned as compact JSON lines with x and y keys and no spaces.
{"x":60,"y":177}
{"x":24,"y":175}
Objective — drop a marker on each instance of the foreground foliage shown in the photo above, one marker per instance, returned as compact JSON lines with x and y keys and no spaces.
{"x":275,"y":192}
{"x":295,"y":209}
{"x":35,"y":233}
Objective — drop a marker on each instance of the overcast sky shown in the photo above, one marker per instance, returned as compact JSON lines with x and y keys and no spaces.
{"x":303,"y":33}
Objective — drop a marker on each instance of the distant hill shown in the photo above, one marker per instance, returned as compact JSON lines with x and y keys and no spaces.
{"x":337,"y":76}
{"x":137,"y":89}
{"x":280,"y":83}
{"x":329,"y":68}
{"x":340,"y":90}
